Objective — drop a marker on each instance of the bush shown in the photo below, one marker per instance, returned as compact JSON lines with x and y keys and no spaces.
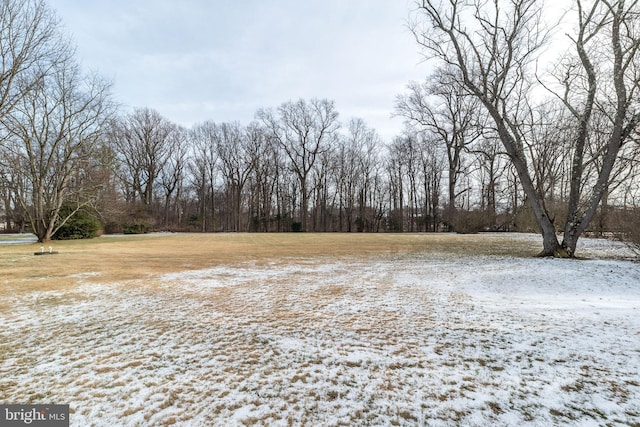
{"x":131,"y":220}
{"x":138,"y":222}
{"x":84,"y":224}
{"x":137,"y":228}
{"x":629,"y":225}
{"x":525,"y":220}
{"x":470,"y":222}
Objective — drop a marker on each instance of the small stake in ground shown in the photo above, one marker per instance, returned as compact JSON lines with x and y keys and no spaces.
{"x":42,"y":252}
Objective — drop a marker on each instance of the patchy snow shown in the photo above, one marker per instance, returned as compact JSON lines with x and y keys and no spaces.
{"x":416,"y":339}
{"x":17,"y":239}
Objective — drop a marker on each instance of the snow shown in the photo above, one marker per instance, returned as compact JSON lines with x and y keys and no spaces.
{"x":17,"y":238}
{"x":409,"y":339}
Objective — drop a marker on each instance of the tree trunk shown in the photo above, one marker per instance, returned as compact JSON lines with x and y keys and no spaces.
{"x":550,"y":244}
{"x":304,"y":203}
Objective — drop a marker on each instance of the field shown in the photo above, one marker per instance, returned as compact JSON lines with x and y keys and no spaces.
{"x":322,"y":329}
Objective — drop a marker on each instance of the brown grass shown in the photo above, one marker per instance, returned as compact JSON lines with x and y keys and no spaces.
{"x":303,"y":342}
{"x":120,"y":258}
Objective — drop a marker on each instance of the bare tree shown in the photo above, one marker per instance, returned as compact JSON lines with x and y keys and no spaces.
{"x":354,"y":158}
{"x":399,"y":163}
{"x":51,"y":135}
{"x":302,"y":129}
{"x":144,"y":143}
{"x":172,"y":175}
{"x":237,"y":163}
{"x":371,"y":197}
{"x":266,"y":177}
{"x":204,"y":166}
{"x":548,"y":139}
{"x":322,"y":190}
{"x":433,"y":165}
{"x":490,"y":169}
{"x":612,"y":78}
{"x":32,"y":46}
{"x":444,"y":108}
{"x":493,"y":45}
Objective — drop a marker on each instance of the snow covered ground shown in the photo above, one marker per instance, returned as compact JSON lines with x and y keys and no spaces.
{"x":405,"y":339}
{"x":17,"y":239}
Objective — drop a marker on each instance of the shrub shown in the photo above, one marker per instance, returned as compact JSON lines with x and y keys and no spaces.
{"x":131,"y":220}
{"x":137,"y":228}
{"x":138,"y":222}
{"x":470,"y":222}
{"x":83,"y":224}
{"x":629,"y":224}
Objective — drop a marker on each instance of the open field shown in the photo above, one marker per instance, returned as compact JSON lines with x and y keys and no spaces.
{"x":322,"y":329}
{"x":137,"y":257}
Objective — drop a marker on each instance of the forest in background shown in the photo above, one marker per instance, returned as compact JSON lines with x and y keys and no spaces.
{"x":71,"y":161}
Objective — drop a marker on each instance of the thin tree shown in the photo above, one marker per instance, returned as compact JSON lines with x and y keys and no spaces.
{"x":265,"y":176}
{"x":144,"y":141}
{"x":172,"y":175}
{"x":443,"y":107}
{"x":302,"y":129}
{"x":353,"y":158}
{"x":204,"y":167}
{"x":432,"y":165}
{"x":237,"y":162}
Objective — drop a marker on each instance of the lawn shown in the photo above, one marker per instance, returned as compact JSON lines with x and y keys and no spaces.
{"x":134,"y":257}
{"x":322,"y":329}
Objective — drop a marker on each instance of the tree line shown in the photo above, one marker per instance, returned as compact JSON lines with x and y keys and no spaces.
{"x":492,"y":141}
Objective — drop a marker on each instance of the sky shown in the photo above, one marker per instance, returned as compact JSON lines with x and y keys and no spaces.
{"x":222,"y":60}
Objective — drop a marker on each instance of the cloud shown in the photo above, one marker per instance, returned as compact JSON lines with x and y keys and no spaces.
{"x":197,"y":60}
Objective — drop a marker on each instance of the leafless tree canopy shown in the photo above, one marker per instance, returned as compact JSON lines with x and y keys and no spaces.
{"x":495,"y":46}
{"x":304,"y":131}
{"x":51,"y":116}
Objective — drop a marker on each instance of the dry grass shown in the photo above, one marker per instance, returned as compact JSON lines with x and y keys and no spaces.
{"x":318,"y":329}
{"x":109,"y":259}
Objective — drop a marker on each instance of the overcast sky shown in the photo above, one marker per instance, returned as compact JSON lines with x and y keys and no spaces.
{"x":221,"y":60}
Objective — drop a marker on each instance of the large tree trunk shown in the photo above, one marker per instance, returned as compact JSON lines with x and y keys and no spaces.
{"x":624,"y":56}
{"x":550,"y":244}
